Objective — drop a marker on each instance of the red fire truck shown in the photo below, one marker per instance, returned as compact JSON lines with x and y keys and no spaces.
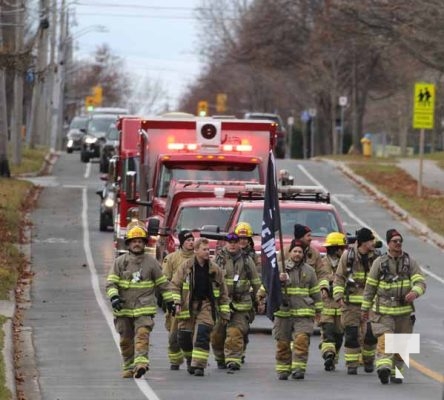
{"x":121,"y":166}
{"x":190,"y":148}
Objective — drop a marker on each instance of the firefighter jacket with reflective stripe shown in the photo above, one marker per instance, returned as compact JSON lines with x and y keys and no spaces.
{"x":326,"y":276}
{"x":172,"y":261}
{"x":388,"y":282}
{"x":240,"y":276}
{"x":183,"y":284}
{"x":351,"y":275}
{"x":312,"y":257}
{"x":134,"y":279}
{"x":300,"y":294}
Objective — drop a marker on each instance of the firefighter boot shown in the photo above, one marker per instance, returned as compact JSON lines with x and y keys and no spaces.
{"x":232,"y":366}
{"x":298,"y":374}
{"x":283,"y":376}
{"x":352,"y":370}
{"x":384,"y":375}
{"x":329,"y":363}
{"x":140,"y":370}
{"x":198,"y":372}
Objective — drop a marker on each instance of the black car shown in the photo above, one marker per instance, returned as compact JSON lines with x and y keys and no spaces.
{"x":108,"y":147}
{"x":98,"y":125}
{"x":107,"y":200}
{"x":77,"y":129}
{"x":281,"y":133}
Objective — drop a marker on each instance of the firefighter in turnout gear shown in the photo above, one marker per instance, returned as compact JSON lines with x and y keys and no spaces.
{"x":130,"y":286}
{"x":395,"y":280}
{"x":348,"y":289}
{"x":330,"y":323}
{"x":312,"y":256}
{"x":201,"y":298}
{"x":228,"y":340}
{"x":293,"y":322}
{"x":245,"y":233}
{"x":170,"y":265}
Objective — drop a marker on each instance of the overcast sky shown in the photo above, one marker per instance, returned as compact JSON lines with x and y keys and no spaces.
{"x":156,"y":38}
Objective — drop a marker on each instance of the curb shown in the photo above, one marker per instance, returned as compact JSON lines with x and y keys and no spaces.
{"x":417,"y":226}
{"x":8,"y":310}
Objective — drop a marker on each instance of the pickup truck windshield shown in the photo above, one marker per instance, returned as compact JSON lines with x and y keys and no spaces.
{"x":321,"y":222}
{"x":194,"y":218}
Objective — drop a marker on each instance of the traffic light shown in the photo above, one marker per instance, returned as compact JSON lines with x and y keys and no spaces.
{"x":221,"y":102}
{"x":202,"y":108}
{"x":97,"y":95}
{"x":89,"y":103}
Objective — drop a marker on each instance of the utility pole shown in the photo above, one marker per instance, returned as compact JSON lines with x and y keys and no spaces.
{"x":16,"y":126}
{"x":4,"y":163}
{"x":57,"y":92}
{"x":38,"y":105}
{"x":46,"y":118}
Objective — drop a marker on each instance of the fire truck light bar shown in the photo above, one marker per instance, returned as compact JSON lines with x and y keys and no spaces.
{"x":194,"y":146}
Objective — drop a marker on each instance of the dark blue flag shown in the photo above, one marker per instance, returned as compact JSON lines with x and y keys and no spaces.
{"x":270,"y":224}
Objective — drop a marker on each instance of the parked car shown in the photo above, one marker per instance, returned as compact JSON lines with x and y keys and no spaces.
{"x":76,"y":130}
{"x":108,"y":147}
{"x":98,"y":125}
{"x":107,"y":199}
{"x":281,"y":133}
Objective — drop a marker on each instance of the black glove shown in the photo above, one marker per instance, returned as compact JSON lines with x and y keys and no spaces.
{"x":116,"y":303}
{"x":171,"y":307}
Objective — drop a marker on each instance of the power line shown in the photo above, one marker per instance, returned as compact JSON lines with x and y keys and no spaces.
{"x":140,"y":6}
{"x":135,"y":16}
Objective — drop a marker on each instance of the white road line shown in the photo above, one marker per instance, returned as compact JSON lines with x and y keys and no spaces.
{"x":143,"y":385}
{"x":353,"y":216}
{"x":87,"y":170}
{"x":74,"y":186}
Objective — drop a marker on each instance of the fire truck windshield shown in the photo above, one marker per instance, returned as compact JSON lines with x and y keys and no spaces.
{"x":321,"y":222}
{"x":194,"y":218}
{"x":211,"y":171}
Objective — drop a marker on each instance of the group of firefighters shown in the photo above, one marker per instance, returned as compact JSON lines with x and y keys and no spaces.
{"x":353,"y":292}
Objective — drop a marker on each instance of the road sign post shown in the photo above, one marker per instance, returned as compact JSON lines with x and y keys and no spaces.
{"x":423,"y":118}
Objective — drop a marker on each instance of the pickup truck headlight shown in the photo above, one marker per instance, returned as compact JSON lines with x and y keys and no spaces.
{"x":90,"y":140}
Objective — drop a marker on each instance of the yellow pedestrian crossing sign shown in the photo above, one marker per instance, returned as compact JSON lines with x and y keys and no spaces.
{"x":424,"y":106}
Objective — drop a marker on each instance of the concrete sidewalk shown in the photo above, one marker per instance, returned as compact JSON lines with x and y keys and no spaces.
{"x":432,"y":175}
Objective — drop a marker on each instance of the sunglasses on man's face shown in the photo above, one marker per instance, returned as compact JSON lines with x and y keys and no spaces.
{"x":396,"y":241}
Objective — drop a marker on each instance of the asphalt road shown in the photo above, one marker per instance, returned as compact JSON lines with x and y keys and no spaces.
{"x":70,"y":324}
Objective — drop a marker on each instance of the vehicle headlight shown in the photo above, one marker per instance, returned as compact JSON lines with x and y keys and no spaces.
{"x":109,"y":202}
{"x":90,"y":140}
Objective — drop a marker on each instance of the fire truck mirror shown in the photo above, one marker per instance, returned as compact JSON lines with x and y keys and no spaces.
{"x":130,"y":185}
{"x":153,"y":227}
{"x":208,"y":131}
{"x":112,"y":169}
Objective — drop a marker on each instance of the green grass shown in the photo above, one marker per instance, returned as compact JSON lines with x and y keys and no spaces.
{"x":397,"y":185}
{"x":32,"y":160}
{"x":13,"y":204}
{"x":5,"y":394}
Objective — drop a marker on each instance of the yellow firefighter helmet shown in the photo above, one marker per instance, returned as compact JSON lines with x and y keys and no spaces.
{"x":136,"y":232}
{"x":335,"y":239}
{"x":243,"y":229}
